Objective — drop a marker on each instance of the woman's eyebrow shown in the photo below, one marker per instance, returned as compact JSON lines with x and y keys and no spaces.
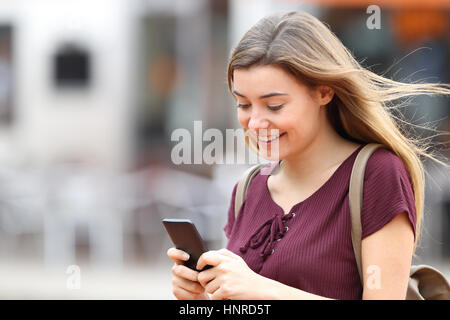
{"x":268,"y":95}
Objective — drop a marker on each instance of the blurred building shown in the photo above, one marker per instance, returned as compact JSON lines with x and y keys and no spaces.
{"x":150,"y":67}
{"x":89,"y":95}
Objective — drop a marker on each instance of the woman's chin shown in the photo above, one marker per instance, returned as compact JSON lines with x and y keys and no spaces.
{"x":270,"y":155}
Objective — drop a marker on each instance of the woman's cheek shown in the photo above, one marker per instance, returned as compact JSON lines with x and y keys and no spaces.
{"x":243,"y":118}
{"x":299,"y":135}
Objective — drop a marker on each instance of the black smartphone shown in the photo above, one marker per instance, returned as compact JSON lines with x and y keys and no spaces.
{"x":185,"y":236}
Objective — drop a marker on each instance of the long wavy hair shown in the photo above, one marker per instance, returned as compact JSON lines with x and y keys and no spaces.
{"x":364,"y":105}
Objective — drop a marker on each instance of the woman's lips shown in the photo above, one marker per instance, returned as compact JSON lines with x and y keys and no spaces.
{"x":269,"y":140}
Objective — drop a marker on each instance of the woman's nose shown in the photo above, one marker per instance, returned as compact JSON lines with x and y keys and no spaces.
{"x":257,"y":122}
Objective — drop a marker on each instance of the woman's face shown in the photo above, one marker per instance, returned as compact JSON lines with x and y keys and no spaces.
{"x":290,"y":112}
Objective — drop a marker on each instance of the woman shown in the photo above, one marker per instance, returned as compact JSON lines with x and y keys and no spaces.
{"x":291,"y":238}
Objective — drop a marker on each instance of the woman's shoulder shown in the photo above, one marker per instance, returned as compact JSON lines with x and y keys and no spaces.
{"x":383,"y":157}
{"x":388,"y":191}
{"x":384,"y":163}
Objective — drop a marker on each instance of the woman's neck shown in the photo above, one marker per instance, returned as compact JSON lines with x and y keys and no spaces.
{"x":318,"y":157}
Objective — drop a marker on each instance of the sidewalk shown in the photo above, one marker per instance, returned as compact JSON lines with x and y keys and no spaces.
{"x":32,"y":281}
{"x":27,"y":281}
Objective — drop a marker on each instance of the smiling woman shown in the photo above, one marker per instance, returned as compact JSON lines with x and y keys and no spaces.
{"x":292,"y":77}
{"x":294,"y":51}
{"x":293,"y":111}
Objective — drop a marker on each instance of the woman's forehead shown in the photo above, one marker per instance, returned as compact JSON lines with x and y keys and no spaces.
{"x":262,"y":80}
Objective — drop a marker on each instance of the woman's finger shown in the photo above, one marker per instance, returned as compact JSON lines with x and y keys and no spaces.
{"x":185,"y":272}
{"x":177,"y":255}
{"x":183,"y":294}
{"x":211,"y":258}
{"x":206,"y":276}
{"x":212,"y":286}
{"x":190,"y":286}
{"x":219,"y":294}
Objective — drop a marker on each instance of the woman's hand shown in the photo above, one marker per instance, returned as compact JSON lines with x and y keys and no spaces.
{"x":185,"y":285}
{"x":229,"y":277}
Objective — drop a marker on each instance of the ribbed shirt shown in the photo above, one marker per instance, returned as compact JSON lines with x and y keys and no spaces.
{"x":310,"y":247}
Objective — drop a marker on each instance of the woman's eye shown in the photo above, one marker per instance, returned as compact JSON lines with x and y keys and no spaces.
{"x":275,"y":108}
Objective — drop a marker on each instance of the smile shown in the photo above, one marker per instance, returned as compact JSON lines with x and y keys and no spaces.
{"x":269,"y":139}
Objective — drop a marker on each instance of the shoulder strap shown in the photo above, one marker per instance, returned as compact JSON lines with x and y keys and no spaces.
{"x":243,"y":186}
{"x":356,"y":197}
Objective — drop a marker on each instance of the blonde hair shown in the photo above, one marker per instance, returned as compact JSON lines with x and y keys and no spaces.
{"x":362,"y":107}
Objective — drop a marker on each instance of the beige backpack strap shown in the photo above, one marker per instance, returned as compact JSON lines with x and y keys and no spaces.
{"x":243,"y":186}
{"x":356,"y":197}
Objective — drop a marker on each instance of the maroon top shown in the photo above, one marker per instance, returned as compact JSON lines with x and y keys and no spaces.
{"x":310,"y":248}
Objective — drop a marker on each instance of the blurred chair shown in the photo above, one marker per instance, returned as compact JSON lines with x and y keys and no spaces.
{"x":80,"y":196}
{"x":22,"y":206}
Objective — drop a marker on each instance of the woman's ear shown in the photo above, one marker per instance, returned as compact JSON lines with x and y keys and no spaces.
{"x":325,"y":94}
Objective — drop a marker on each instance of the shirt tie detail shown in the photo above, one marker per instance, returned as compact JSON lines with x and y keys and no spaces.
{"x":270,"y":231}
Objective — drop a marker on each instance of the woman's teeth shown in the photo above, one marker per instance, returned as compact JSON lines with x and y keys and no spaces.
{"x":269,"y":139}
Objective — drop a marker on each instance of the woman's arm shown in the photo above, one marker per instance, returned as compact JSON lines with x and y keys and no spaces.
{"x":231,"y":278}
{"x":386,"y":259}
{"x":274,"y":290}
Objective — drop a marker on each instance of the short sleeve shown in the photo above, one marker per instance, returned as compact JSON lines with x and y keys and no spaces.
{"x":230,"y":222}
{"x":387,"y":192}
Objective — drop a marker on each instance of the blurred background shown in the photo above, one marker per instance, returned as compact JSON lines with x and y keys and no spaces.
{"x":90,"y":92}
